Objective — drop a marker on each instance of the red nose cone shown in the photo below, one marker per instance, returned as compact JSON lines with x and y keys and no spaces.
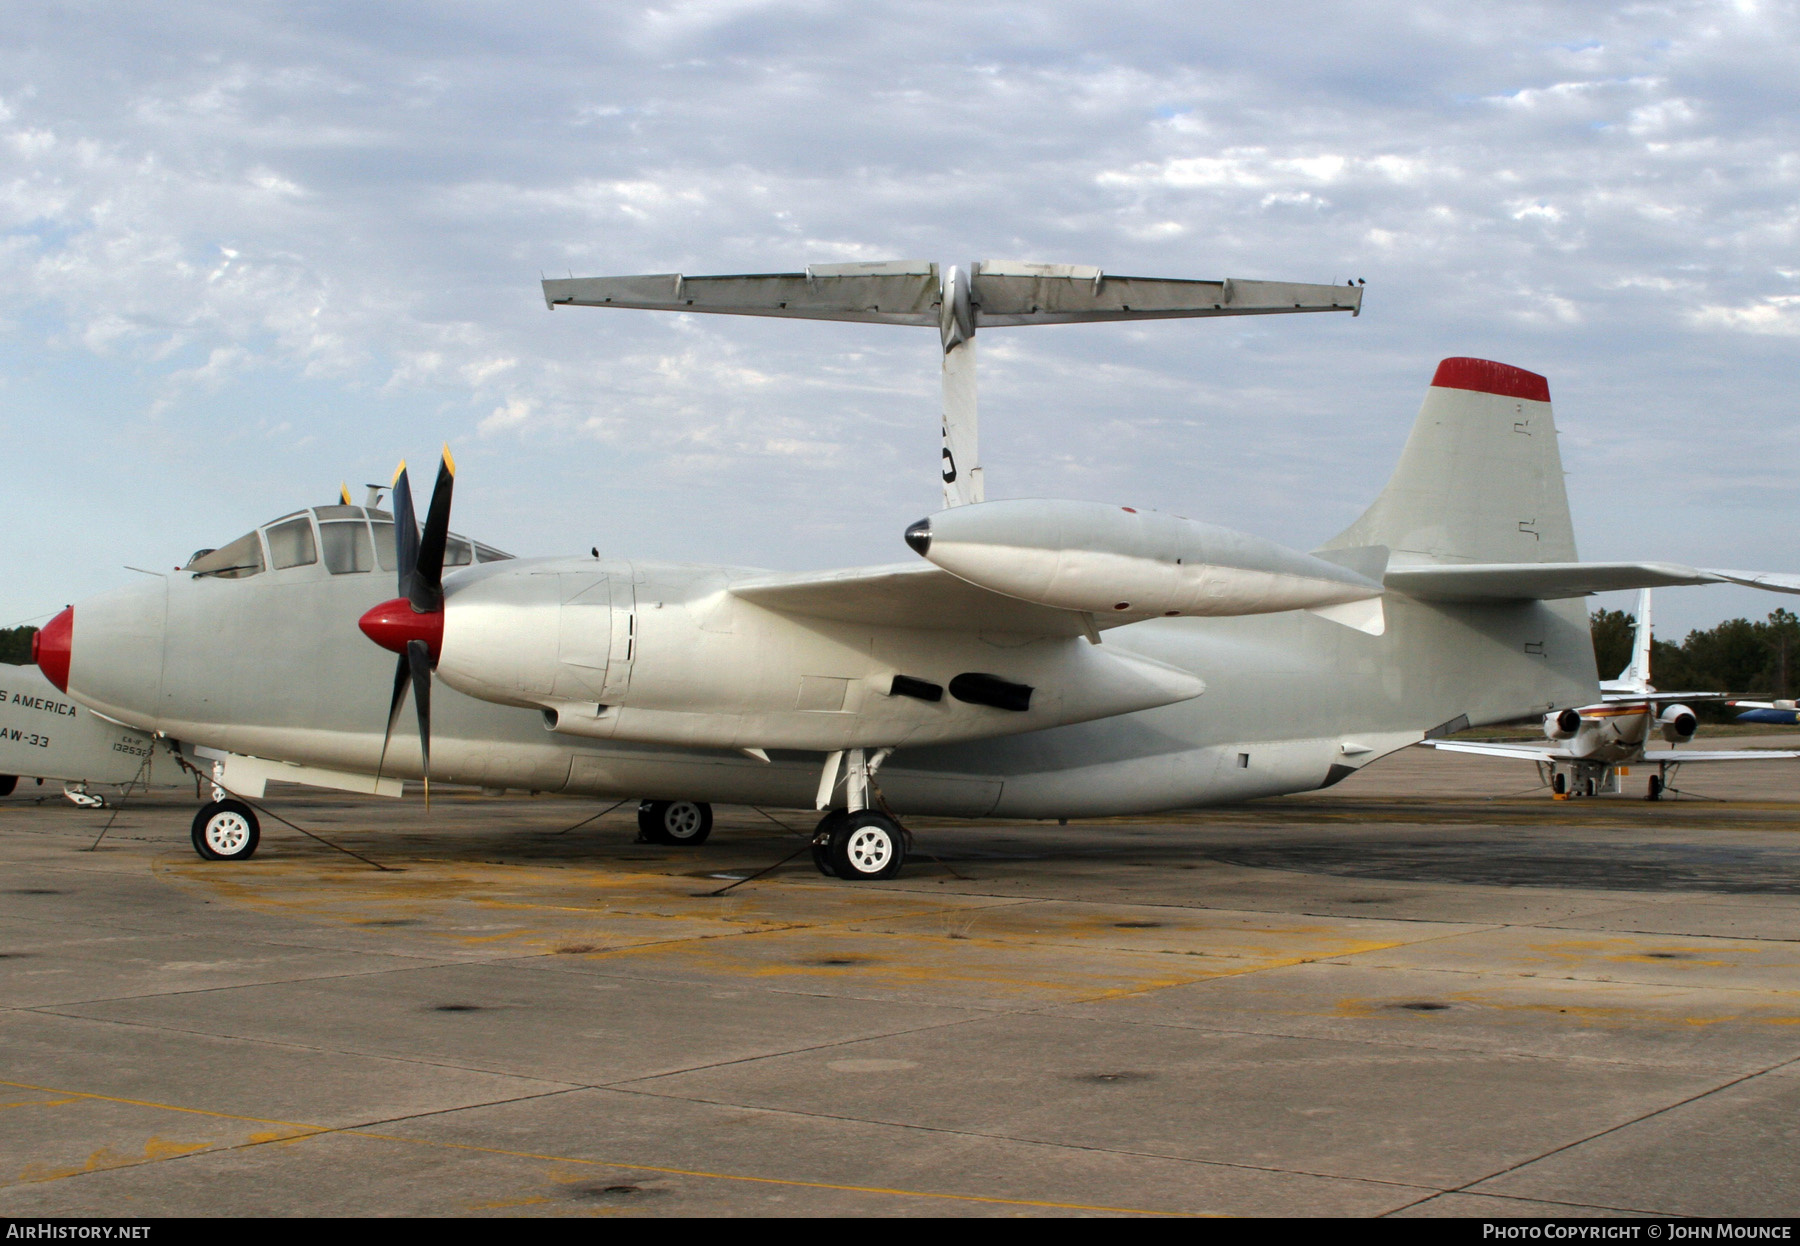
{"x":50,"y":648}
{"x":393,"y":623}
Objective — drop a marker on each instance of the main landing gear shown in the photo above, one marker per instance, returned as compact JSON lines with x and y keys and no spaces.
{"x":681,"y":823}
{"x":226,"y":830}
{"x":856,"y":843}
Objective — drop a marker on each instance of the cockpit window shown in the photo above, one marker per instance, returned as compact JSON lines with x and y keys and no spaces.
{"x":458,"y":551}
{"x":384,"y":543}
{"x":291,"y":543}
{"x":346,"y":544}
{"x":242,"y":558}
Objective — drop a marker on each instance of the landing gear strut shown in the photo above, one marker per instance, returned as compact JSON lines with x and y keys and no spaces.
{"x":856,"y":843}
{"x":682,"y":823}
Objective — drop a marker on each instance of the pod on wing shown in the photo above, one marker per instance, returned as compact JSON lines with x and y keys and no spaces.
{"x":1107,"y":560}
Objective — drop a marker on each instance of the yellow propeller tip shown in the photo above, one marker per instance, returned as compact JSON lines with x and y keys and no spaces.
{"x":398,"y":472}
{"x":449,"y":462}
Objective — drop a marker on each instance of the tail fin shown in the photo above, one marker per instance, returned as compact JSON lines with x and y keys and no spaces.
{"x":1636,"y":675}
{"x":1480,"y":479}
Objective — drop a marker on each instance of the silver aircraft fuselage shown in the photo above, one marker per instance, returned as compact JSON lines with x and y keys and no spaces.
{"x":274,"y":666}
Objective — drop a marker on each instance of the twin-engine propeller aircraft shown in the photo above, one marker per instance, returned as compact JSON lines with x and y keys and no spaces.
{"x":1593,"y":745}
{"x":971,"y":682}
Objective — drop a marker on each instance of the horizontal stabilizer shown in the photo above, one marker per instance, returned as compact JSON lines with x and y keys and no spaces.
{"x":1006,"y":293}
{"x":1544,"y":752}
{"x":1524,"y":581}
{"x":889,"y":292}
{"x":910,"y":292}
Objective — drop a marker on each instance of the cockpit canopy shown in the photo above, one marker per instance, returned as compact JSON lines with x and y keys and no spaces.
{"x":348,"y":539}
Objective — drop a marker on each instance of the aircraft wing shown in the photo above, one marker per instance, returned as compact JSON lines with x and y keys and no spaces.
{"x":1479,"y":582}
{"x":1612,"y":698}
{"x":1525,"y":752}
{"x":910,"y":595}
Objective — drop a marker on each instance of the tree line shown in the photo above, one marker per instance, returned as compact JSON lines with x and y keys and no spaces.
{"x":15,"y":644}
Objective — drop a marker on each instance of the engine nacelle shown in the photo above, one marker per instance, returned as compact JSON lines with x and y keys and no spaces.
{"x":1562,"y":725}
{"x":667,"y":654}
{"x":1114,"y":560}
{"x":1677,"y":724}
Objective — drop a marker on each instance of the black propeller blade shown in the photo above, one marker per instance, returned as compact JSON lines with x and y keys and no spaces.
{"x":406,"y":532}
{"x":427,"y":593}
{"x":418,"y":656}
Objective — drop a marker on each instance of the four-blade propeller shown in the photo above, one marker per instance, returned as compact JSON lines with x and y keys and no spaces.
{"x":412,"y":624}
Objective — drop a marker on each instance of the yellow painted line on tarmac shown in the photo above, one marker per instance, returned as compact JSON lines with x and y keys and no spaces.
{"x":159,"y":1149}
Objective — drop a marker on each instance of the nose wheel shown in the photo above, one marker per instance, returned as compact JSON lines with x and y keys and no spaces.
{"x":226,"y":830}
{"x":682,"y":823}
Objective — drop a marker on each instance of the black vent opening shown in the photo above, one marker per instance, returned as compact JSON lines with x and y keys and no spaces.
{"x":992,"y":690}
{"x":923,"y":689}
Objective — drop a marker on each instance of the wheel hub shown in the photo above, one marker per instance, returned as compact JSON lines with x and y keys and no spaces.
{"x":869,"y":849}
{"x":226,"y":833}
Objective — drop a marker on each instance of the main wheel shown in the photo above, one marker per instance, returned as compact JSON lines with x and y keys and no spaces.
{"x":1656,"y":788}
{"x":1590,"y":788}
{"x":7,"y":783}
{"x":1559,"y":783}
{"x":867,"y":846}
{"x":680,"y":822}
{"x":226,"y":830}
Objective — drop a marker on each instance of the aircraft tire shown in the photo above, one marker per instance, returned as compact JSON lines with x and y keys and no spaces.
{"x":678,"y":823}
{"x":226,"y":830}
{"x":867,"y":847}
{"x":821,"y":842}
{"x":1590,"y":788}
{"x":7,"y":783}
{"x":1559,"y":783}
{"x":1656,"y":788}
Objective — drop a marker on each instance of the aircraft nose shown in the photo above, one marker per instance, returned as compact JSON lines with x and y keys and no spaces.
{"x":393,"y":623}
{"x":50,"y":648}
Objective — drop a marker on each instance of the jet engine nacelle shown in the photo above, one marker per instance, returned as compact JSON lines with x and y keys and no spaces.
{"x":667,"y":654}
{"x":1677,"y":723}
{"x":1110,"y":560}
{"x":1562,"y":725}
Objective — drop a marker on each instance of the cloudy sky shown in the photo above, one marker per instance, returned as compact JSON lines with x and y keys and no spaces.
{"x":250,"y":250}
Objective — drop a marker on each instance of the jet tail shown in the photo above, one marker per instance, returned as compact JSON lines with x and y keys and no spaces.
{"x":1636,"y":675}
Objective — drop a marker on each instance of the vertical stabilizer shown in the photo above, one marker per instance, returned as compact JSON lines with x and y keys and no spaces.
{"x":1480,"y":479}
{"x":961,"y":458}
{"x":1636,"y":675}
